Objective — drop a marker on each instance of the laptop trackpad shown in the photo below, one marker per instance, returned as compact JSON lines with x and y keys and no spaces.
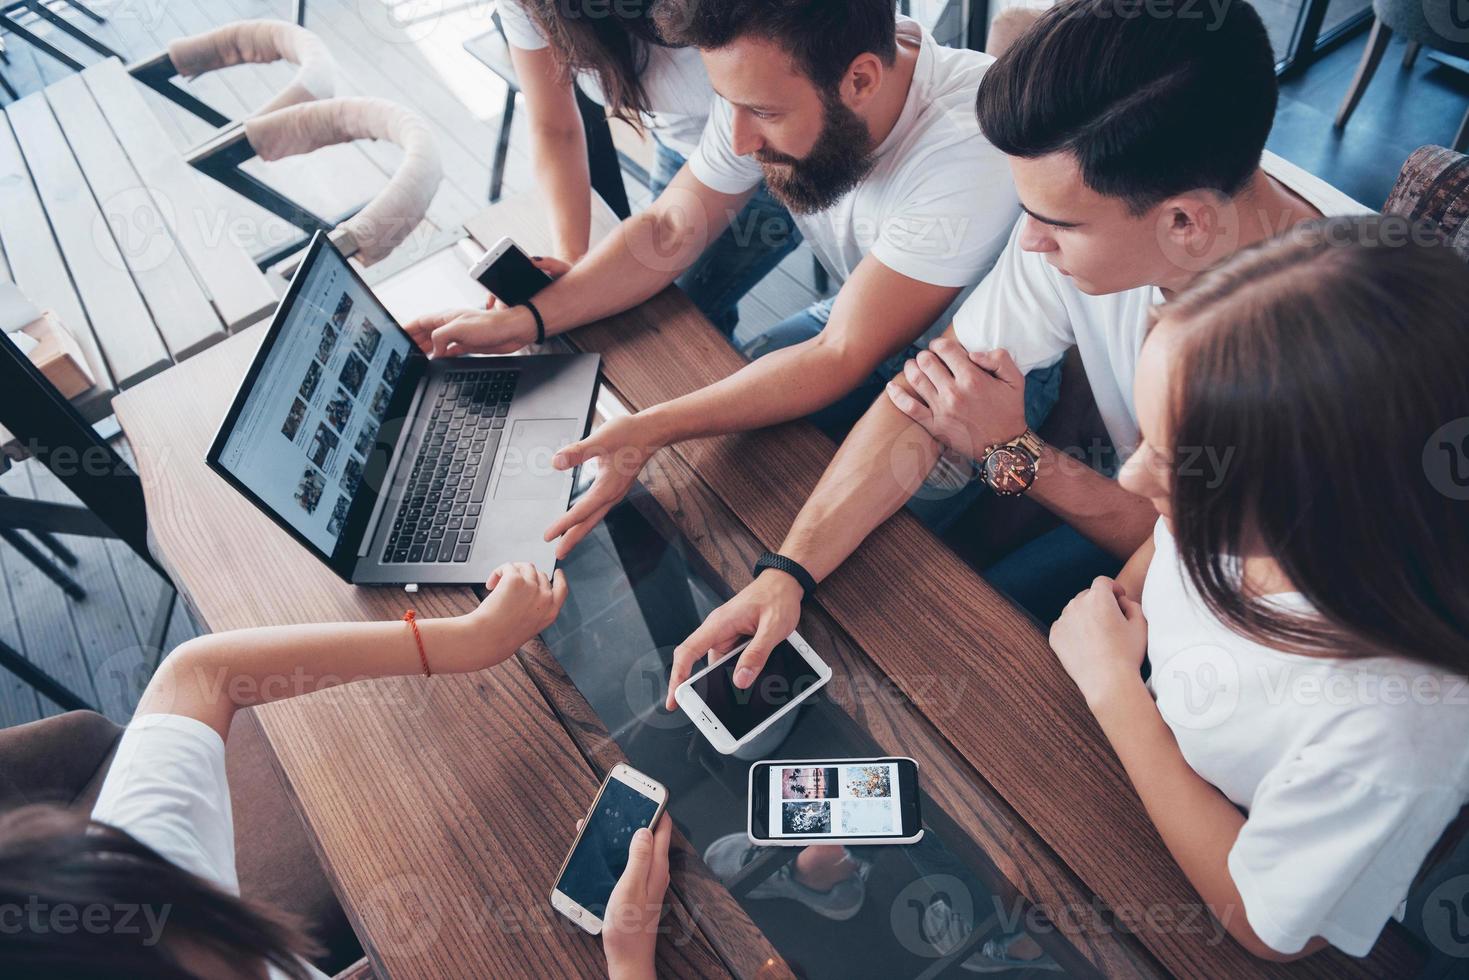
{"x":525,"y":471}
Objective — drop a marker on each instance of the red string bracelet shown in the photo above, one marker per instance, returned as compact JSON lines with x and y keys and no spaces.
{"x":411,"y":618}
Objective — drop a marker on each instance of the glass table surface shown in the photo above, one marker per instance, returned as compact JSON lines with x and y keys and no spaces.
{"x":637,"y":591}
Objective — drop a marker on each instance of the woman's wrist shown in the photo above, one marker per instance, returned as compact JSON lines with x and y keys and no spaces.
{"x":659,"y":425}
{"x":1120,"y":698}
{"x":630,"y":967}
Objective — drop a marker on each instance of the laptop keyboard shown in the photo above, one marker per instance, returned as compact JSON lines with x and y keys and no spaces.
{"x":439,"y":514}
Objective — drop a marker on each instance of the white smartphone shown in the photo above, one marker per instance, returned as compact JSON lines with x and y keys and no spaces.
{"x":730,"y":717}
{"x":795,"y":802}
{"x":508,"y":272}
{"x":627,"y":800}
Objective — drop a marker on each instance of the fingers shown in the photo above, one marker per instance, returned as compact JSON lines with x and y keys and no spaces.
{"x":658,"y":871}
{"x":580,"y":824}
{"x":596,"y":498}
{"x":712,"y":632}
{"x":421,"y":329}
{"x":953,"y":355}
{"x":575,"y":454}
{"x":639,"y":855}
{"x":753,"y":659}
{"x":1001,"y":365}
{"x":921,"y":383}
{"x":559,"y":590}
{"x":908,"y":405}
{"x":553,"y":267}
{"x":455,"y":333}
{"x":494,"y":578}
{"x":1131,"y":608}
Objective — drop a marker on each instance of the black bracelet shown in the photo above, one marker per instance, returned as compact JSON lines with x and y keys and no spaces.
{"x":540,"y":323}
{"x":792,"y":568}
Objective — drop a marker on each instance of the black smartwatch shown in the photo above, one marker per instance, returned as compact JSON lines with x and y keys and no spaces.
{"x":783,"y":564}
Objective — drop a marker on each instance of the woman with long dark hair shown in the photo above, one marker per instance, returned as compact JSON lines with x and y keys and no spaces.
{"x":160,"y":841}
{"x":1304,"y":602}
{"x":615,"y":53}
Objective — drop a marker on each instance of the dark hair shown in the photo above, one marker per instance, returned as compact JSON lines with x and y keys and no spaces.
{"x":823,"y":37}
{"x":609,"y":40}
{"x":52,"y":858}
{"x":1149,"y":105}
{"x":1327,"y":359}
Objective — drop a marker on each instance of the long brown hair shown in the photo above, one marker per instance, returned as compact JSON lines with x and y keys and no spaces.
{"x":1329,"y":361}
{"x":55,"y":860}
{"x":609,"y":40}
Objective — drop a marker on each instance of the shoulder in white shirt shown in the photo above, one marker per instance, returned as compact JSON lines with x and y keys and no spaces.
{"x":167,"y":788}
{"x":1028,"y":308}
{"x":678,"y":89}
{"x":1348,"y":769}
{"x":939,"y":203}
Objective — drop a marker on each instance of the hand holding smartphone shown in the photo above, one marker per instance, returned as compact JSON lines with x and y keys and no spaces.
{"x":731,"y":717}
{"x":508,"y":273}
{"x":797,"y":802}
{"x":627,"y":801}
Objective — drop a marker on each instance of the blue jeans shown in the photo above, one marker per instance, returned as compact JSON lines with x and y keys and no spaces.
{"x":756,"y":240}
{"x":936,"y":506}
{"x":1042,"y":575}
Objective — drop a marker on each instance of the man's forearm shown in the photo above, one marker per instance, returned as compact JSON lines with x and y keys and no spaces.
{"x":783,"y":385}
{"x":881,"y":464}
{"x":1093,"y":504}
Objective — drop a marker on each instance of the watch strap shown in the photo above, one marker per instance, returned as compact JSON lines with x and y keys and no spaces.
{"x":791,"y":567}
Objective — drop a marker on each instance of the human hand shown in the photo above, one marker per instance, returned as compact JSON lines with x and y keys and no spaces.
{"x":521,"y":603}
{"x":453,"y":333}
{"x":767,"y":609}
{"x":631,"y":926}
{"x":621,"y":447}
{"x":1101,"y":639}
{"x":968,"y":402}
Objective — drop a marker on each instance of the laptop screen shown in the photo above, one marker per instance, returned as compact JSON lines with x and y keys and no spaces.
{"x":307,"y":427}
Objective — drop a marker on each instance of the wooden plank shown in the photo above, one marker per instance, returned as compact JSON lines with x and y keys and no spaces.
{"x":120,"y":320}
{"x":184,"y":316}
{"x":38,"y":269}
{"x":239,"y":289}
{"x":1035,"y":741}
{"x":444,"y":804}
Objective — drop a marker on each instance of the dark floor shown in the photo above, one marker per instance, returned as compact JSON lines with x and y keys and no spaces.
{"x":1401,"y":111}
{"x":95,"y":645}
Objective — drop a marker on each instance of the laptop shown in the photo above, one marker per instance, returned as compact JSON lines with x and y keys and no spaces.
{"x":390,"y":467}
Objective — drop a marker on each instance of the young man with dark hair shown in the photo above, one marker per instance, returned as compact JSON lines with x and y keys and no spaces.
{"x":864,"y":128}
{"x":1136,"y":146}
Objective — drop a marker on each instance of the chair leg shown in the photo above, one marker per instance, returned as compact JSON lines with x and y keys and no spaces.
{"x":49,"y":568}
{"x":502,"y":147}
{"x":819,"y":276}
{"x":1371,"y":58}
{"x":86,"y":11}
{"x":17,"y":663}
{"x":9,"y":89}
{"x":1411,"y":54}
{"x":1461,"y":138}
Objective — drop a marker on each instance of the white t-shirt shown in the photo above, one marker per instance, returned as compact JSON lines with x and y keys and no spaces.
{"x":1028,"y":308}
{"x":940,"y":201}
{"x":678,"y":89}
{"x":167,"y":788}
{"x":1349,"y":769}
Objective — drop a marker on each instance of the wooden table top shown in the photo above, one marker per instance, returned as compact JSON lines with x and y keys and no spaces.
{"x":442,"y":808}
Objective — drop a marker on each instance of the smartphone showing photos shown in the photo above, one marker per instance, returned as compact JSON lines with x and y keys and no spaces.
{"x":837,"y":801}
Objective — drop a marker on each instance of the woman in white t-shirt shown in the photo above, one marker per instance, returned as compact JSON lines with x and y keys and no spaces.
{"x":1301,"y":741}
{"x":147,"y":887}
{"x":615,"y":53}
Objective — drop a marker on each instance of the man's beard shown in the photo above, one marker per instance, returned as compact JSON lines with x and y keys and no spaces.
{"x":841,"y":159}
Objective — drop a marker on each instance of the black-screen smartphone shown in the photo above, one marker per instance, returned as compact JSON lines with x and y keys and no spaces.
{"x":508,"y":272}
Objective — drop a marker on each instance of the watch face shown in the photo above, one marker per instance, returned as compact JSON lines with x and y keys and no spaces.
{"x":1009,"y":471}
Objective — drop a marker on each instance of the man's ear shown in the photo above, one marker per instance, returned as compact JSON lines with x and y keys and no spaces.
{"x":1198,"y":228}
{"x":863,"y":80}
